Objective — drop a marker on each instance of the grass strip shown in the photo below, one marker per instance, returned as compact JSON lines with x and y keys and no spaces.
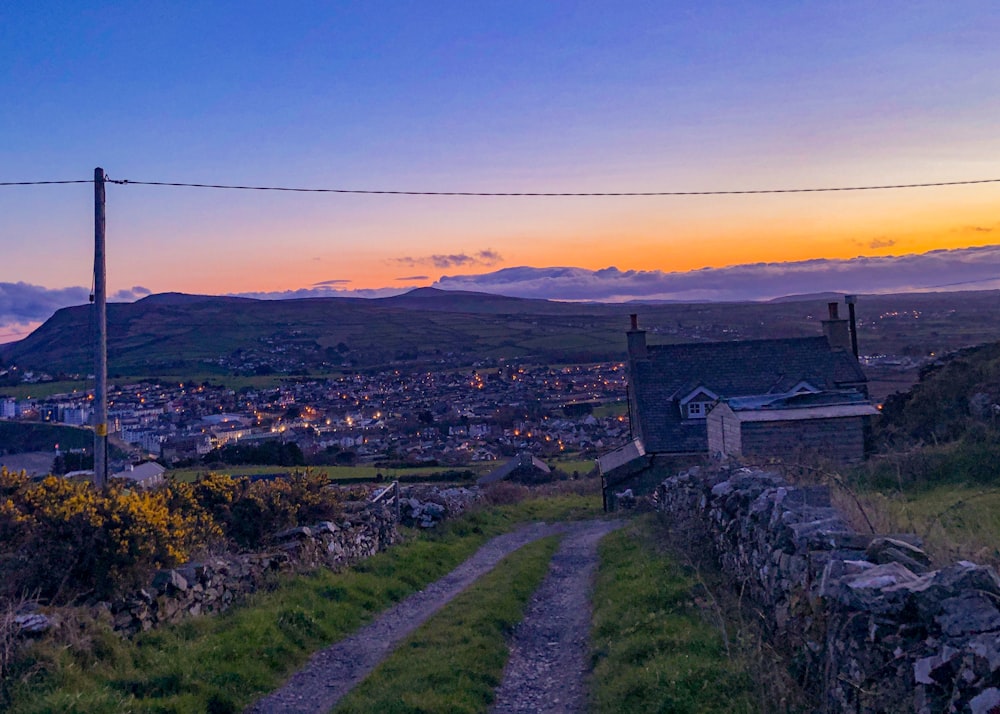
{"x":653,"y":651}
{"x":223,"y":663}
{"x":454,"y":662}
{"x":955,"y":521}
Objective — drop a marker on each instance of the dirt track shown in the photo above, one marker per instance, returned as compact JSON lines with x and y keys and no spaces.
{"x":549,"y":651}
{"x":548,"y":662}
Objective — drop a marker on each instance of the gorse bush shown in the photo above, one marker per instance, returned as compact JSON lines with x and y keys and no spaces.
{"x":62,"y":539}
{"x":262,"y":508}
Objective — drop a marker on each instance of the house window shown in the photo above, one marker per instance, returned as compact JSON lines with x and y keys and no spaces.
{"x":696,"y":410}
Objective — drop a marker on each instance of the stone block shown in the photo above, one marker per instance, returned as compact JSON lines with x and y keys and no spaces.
{"x":889,"y":550}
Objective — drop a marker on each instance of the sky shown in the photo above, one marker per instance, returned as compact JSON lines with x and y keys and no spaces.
{"x":497,"y":97}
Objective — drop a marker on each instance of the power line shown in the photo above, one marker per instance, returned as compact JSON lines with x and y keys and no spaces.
{"x":540,"y":194}
{"x":41,"y":183}
{"x":963,"y":282}
{"x":554,"y":193}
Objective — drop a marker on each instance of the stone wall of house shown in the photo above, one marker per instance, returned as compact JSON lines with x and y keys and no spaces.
{"x":213,"y":584}
{"x":870,"y":626}
{"x":838,"y":439}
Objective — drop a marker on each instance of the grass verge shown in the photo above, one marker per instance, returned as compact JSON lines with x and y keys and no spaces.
{"x":654,"y":651}
{"x":954,"y":521}
{"x":454,"y":662}
{"x":221,"y":664}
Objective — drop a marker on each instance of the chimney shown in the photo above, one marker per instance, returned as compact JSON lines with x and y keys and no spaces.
{"x":835,"y":328}
{"x":851,"y":300}
{"x":636,"y":340}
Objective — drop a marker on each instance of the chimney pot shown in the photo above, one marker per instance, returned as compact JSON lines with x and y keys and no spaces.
{"x":636,"y":341}
{"x":836,"y":330}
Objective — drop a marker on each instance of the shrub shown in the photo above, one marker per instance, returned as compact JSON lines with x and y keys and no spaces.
{"x":263,"y":508}
{"x":70,"y":537}
{"x":64,"y":539}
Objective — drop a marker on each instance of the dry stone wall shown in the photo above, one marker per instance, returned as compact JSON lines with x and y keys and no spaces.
{"x":213,"y":584}
{"x":426,"y":506}
{"x":871,"y":627}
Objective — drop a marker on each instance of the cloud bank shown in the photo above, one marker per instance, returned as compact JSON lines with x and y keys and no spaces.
{"x":23,"y":303}
{"x":967,"y":268}
{"x":23,"y":306}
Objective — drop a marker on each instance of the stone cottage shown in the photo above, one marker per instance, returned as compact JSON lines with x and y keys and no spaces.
{"x":672,"y":389}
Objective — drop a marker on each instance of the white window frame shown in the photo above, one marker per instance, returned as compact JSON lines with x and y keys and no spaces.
{"x":701,"y":410}
{"x":696,"y":410}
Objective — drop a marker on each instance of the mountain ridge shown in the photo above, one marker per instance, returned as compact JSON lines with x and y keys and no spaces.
{"x":173,"y":333}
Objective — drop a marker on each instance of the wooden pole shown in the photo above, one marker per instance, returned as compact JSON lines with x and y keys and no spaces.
{"x":101,"y":346}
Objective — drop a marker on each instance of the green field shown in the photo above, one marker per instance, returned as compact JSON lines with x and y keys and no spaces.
{"x":612,"y":409}
{"x":336,"y":473}
{"x":43,"y":390}
{"x":368,"y":472}
{"x":20,"y":436}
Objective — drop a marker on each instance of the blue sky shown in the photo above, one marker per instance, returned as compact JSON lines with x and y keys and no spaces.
{"x":513,"y":96}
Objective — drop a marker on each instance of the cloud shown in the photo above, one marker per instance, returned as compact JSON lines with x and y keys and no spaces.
{"x":487,"y":258}
{"x":976,"y":229}
{"x":970,"y":268}
{"x":334,"y":281}
{"x":23,"y":303}
{"x":882,"y":243}
{"x":24,"y":306}
{"x":414,"y":277}
{"x":130,"y":294}
{"x":322,"y":290}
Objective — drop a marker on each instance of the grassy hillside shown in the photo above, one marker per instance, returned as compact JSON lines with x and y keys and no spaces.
{"x":181,"y":334}
{"x":955,"y":396}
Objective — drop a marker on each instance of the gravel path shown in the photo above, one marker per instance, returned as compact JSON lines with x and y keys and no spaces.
{"x":548,"y":663}
{"x":333,"y":672}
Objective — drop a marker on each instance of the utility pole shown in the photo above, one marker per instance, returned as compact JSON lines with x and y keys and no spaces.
{"x":101,"y":347}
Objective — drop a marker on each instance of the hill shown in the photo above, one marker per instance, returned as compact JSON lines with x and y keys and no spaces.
{"x":176,"y":334}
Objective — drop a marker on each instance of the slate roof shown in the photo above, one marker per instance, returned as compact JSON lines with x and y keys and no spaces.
{"x":729,"y":369}
{"x":147,"y":472}
{"x":621,"y":456}
{"x":523,"y":462}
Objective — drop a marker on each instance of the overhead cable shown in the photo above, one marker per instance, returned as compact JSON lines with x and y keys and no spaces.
{"x":544,"y":194}
{"x":539,"y":194}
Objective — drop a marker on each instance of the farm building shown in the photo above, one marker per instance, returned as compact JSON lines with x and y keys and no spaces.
{"x":827,"y":424}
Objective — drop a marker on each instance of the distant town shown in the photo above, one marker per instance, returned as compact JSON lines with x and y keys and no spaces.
{"x":448,"y":417}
